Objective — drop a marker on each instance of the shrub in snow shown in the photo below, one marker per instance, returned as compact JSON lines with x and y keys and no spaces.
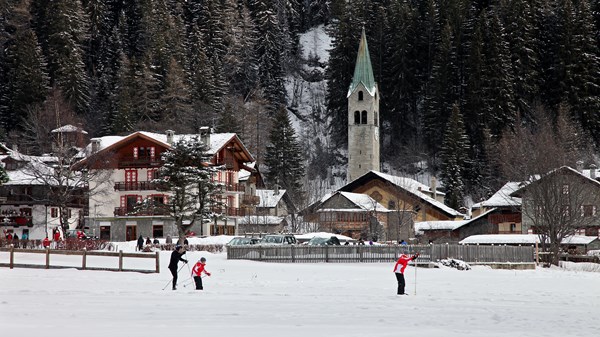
{"x":458,"y":264}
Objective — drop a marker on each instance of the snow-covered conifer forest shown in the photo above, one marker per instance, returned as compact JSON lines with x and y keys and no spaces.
{"x":491,"y":80}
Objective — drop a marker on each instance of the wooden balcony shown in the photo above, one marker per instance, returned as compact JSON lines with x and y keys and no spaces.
{"x":123,"y":211}
{"x":135,"y":186}
{"x":131,"y":161}
{"x":231,"y":188}
{"x":230,"y":211}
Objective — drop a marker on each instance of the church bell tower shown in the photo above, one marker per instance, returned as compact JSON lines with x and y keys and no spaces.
{"x":363,"y":116}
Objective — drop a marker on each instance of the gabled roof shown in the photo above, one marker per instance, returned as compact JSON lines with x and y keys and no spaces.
{"x":217,"y":141}
{"x":69,"y":128}
{"x":502,"y":198}
{"x":523,"y":239}
{"x":411,"y":186}
{"x":362,"y":202}
{"x":268,"y":198}
{"x":363,"y":71}
{"x":565,"y":169}
{"x":448,"y":225}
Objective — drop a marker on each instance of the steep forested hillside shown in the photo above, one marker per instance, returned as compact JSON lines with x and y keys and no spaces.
{"x":503,"y":66}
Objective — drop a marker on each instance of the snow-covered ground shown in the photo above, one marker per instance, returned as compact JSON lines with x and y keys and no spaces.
{"x":246,"y":298}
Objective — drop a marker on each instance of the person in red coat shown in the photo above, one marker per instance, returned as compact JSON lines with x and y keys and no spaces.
{"x":46,"y":242}
{"x":399,"y":271}
{"x":56,"y":235}
{"x":197,"y":271}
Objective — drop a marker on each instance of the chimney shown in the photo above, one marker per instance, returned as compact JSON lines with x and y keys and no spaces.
{"x":276,"y":191}
{"x":434,"y":187}
{"x":170,"y":134}
{"x":205,"y":135}
{"x":593,"y":168}
{"x":95,"y":144}
{"x":579,"y":166}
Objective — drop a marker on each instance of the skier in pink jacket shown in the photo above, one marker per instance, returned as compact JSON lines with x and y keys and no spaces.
{"x":399,"y":271}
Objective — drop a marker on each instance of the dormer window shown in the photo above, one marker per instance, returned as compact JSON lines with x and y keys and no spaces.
{"x":360,"y":95}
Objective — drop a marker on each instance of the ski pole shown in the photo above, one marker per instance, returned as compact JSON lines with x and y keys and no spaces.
{"x":171,"y":280}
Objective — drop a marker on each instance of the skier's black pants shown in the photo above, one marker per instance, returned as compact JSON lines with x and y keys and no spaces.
{"x":401,"y":283}
{"x":174,"y":273}
{"x":198,"y":281}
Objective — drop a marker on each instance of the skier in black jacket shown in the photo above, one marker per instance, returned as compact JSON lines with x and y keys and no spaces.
{"x":176,"y":256}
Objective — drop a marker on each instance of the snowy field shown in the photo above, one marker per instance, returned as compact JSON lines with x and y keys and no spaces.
{"x":245,"y":298}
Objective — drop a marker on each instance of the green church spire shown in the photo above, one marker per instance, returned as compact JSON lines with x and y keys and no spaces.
{"x":363,"y":71}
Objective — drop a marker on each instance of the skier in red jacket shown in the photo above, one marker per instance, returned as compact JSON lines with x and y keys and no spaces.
{"x":197,"y":271}
{"x":399,"y":271}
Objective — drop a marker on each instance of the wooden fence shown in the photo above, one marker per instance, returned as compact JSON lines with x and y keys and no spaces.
{"x":84,"y":262}
{"x":377,"y":253}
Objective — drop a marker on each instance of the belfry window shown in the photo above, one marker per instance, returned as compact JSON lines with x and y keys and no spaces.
{"x":356,"y":117}
{"x":364,"y":117}
{"x":375,"y":118}
{"x":360,"y":95}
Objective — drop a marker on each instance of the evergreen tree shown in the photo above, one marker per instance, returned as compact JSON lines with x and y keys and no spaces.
{"x":240,"y":65}
{"x":269,"y":53}
{"x":66,"y":33}
{"x":23,"y":77}
{"x":284,"y":156}
{"x":442,"y":92}
{"x":497,"y":89}
{"x":454,"y":155}
{"x":188,"y":178}
{"x":3,"y":176}
{"x":175,"y":99}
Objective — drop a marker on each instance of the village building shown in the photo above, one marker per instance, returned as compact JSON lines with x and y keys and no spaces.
{"x":26,"y":205}
{"x":134,"y":161}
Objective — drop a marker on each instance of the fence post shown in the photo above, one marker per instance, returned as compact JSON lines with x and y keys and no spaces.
{"x":158,"y":264}
{"x":326,"y":253}
{"x":48,"y":258}
{"x":293,"y":254}
{"x":120,"y":260}
{"x":84,"y":256}
{"x":360,"y":257}
{"x":12,"y":256}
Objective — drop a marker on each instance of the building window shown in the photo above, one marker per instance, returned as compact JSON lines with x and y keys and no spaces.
{"x":375,"y":117}
{"x":360,"y":95}
{"x":513,"y":227}
{"x":392,"y":204}
{"x":364,"y":117}
{"x":565,"y":189}
{"x":54,"y":212}
{"x":356,"y":117}
{"x":157,"y":231}
{"x":588,"y":210}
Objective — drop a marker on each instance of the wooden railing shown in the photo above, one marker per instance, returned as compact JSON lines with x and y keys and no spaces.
{"x":84,"y":254}
{"x":122,"y":211}
{"x":135,"y":186}
{"x":381,"y":253}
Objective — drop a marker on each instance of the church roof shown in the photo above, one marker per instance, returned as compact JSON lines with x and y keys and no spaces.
{"x":363,"y":71}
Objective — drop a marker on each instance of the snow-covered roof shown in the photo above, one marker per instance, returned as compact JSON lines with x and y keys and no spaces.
{"x":69,"y":128}
{"x":522,"y":239}
{"x":261,"y":219}
{"x":502,"y":197}
{"x":217,"y":140}
{"x":268,"y":198}
{"x":363,"y":202}
{"x":416,"y":188}
{"x":308,"y":236}
{"x":439,"y":225}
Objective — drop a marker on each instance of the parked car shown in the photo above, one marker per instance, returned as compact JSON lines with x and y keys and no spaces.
{"x":321,"y":241}
{"x":242,"y":241}
{"x":80,"y":234}
{"x":278,"y":239}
